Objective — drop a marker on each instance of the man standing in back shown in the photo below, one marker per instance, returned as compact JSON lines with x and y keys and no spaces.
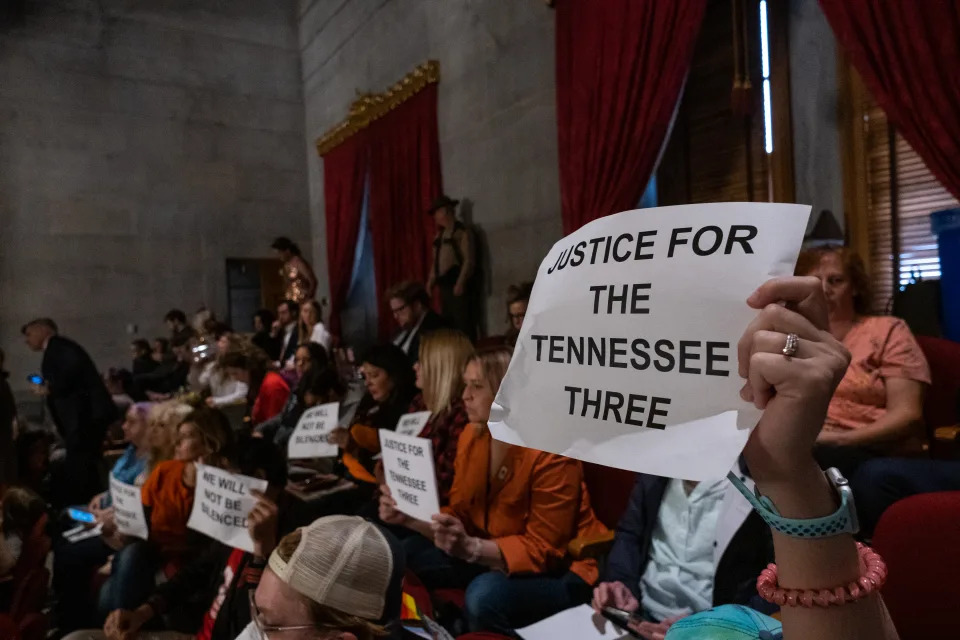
{"x":81,"y":408}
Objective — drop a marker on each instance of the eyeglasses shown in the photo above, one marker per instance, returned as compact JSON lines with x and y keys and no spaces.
{"x":396,"y":310}
{"x":264,"y":631}
{"x":518,"y":316}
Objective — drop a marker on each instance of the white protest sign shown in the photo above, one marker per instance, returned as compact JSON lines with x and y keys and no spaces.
{"x":408,"y":468}
{"x":309,"y":438}
{"x":411,"y":424}
{"x":628,"y":352}
{"x":221,"y":504}
{"x":128,"y":509}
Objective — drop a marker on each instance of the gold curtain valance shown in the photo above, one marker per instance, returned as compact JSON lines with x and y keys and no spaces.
{"x":372,"y":106}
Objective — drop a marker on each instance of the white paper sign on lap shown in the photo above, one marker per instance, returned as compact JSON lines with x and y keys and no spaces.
{"x":411,"y":424}
{"x":128,"y":509}
{"x":309,"y":438}
{"x":578,"y":623}
{"x":221,"y":504}
{"x":628,"y":352}
{"x":408,"y":468}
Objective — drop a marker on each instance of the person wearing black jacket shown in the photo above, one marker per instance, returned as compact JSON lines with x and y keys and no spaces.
{"x":209,"y":597}
{"x":713,"y":542}
{"x":80,"y":405}
{"x":410,"y":305}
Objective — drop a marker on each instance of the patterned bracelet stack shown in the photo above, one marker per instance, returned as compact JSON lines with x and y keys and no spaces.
{"x":873,"y":574}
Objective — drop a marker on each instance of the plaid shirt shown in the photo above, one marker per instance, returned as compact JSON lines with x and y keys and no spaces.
{"x":444,"y":431}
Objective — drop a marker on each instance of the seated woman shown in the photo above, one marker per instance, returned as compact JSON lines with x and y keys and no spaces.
{"x":204,"y":436}
{"x":518,"y":296}
{"x":151,"y":431}
{"x":311,"y":328}
{"x":878,"y":407}
{"x":21,"y":510}
{"x":443,"y":356}
{"x":267,"y":391}
{"x":224,"y":390}
{"x":308,"y":357}
{"x":390,"y":386}
{"x":512,"y":513}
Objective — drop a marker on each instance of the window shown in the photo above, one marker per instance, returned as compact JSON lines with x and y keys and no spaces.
{"x":719,"y":153}
{"x":890,"y":195}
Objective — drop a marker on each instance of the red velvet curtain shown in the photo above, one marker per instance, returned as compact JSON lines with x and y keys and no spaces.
{"x":908,"y":54}
{"x":621,"y":65}
{"x":344,"y":174}
{"x":404,"y":180}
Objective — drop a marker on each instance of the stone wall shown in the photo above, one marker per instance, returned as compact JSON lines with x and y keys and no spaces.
{"x":497,"y":116}
{"x":142,"y":144}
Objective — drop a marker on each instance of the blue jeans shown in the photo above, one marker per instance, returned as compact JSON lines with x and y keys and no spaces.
{"x":882,"y":481}
{"x":132,"y":577}
{"x":495,"y":601}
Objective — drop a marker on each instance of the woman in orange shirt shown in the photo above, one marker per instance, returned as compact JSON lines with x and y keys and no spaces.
{"x":204,"y":436}
{"x":878,"y":407}
{"x":513,"y":511}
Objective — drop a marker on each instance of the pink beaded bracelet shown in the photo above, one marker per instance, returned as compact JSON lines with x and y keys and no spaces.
{"x":873,"y":573}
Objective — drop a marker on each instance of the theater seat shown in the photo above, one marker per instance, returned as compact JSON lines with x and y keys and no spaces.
{"x":940,"y":405}
{"x":609,"y":494}
{"x":918,"y":538}
{"x":30,"y":594}
{"x":34,"y":552}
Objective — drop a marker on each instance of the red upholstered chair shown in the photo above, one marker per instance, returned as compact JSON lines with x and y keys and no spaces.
{"x":30,"y":594}
{"x":940,"y":406}
{"x":918,"y":538}
{"x":34,"y":553}
{"x":609,"y":494}
{"x":8,"y":628}
{"x":33,"y":627}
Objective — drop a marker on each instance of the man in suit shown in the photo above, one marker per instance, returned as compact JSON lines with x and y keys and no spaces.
{"x":81,"y":408}
{"x":410,"y":306}
{"x":285,"y":334}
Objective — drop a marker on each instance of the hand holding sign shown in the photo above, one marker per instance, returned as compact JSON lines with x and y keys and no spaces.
{"x":310,"y":439}
{"x":262,"y":524}
{"x":128,"y":515}
{"x":408,"y":470}
{"x":221,"y":506}
{"x":627,"y":348}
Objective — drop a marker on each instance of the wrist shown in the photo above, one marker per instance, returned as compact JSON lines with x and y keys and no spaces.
{"x":805,"y":493}
{"x":143,"y":614}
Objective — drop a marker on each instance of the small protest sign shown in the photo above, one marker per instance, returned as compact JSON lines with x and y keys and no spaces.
{"x":628,"y":352}
{"x":408,"y":468}
{"x":411,"y":424}
{"x":128,"y":509}
{"x":221,"y":504}
{"x":309,"y":438}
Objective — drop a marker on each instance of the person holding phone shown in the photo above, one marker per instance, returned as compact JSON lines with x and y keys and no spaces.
{"x":80,"y":405}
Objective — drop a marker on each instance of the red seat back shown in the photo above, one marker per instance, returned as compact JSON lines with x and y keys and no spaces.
{"x":918,"y":538}
{"x":609,"y":491}
{"x":33,"y":627}
{"x":940,"y":406}
{"x":30,"y":594}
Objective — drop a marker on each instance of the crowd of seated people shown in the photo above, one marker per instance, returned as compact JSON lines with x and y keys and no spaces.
{"x":508,"y":515}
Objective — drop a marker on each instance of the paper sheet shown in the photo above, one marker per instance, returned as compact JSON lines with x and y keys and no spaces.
{"x":628,"y":352}
{"x":411,"y":424}
{"x":221,"y":504}
{"x":408,"y":468}
{"x":578,"y":623}
{"x":309,"y":438}
{"x":128,"y":509}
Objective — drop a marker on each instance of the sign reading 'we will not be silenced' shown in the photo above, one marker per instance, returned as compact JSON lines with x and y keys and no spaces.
{"x":627,"y":356}
{"x":221,"y":503}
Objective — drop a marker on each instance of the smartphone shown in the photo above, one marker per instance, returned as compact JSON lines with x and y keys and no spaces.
{"x":620,"y":619}
{"x":35,"y":379}
{"x":81,"y":516}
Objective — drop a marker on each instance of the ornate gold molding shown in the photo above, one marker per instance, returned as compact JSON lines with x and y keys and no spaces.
{"x":369,"y":107}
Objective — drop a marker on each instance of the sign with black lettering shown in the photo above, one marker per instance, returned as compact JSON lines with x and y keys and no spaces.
{"x":408,"y":469}
{"x":221,"y":504}
{"x":411,"y":424}
{"x":628,"y":352}
{"x":128,"y":511}
{"x":310,"y":439}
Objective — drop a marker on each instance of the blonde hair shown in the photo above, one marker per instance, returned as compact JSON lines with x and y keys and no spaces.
{"x":305,"y":332}
{"x":494,"y":363}
{"x":327,"y":618}
{"x":444,"y":354}
{"x":168,"y":416}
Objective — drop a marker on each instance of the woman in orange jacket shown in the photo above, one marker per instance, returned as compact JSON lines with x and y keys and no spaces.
{"x":511,"y":515}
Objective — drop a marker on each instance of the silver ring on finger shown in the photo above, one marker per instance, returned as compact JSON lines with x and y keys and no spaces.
{"x":791,"y":346}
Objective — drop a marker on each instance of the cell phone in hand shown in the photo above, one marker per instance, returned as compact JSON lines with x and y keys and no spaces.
{"x":35,"y":379}
{"x":80,"y":515}
{"x":620,"y":619}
